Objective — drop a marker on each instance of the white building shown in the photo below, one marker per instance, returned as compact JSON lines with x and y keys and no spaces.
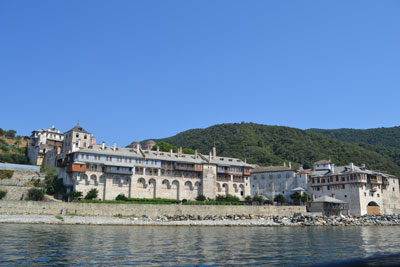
{"x":41,"y":142}
{"x":276,"y":180}
{"x":366,"y":191}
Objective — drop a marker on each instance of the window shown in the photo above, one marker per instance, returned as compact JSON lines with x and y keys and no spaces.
{"x":345,"y":195}
{"x":77,"y":135}
{"x":85,"y":137}
{"x":343,"y":186}
{"x":365,"y":194}
{"x":378,"y":195}
{"x":328,"y":187}
{"x":279,"y":176}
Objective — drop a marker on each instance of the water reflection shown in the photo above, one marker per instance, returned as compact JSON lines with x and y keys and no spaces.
{"x":188,"y":246}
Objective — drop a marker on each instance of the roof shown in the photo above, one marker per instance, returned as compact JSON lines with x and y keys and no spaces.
{"x":150,"y":154}
{"x":260,"y":169}
{"x":339,"y":170}
{"x":299,"y":189}
{"x":79,"y":129}
{"x":322,"y":162}
{"x":329,"y":200}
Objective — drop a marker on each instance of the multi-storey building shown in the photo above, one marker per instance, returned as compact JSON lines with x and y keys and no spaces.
{"x":366,"y":191}
{"x":42,"y":142}
{"x":140,"y":173}
{"x":277,"y":180}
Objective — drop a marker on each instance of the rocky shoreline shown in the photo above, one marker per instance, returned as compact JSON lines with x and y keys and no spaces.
{"x":188,"y":220}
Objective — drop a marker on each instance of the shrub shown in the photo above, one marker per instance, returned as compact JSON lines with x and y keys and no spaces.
{"x":3,"y":193}
{"x":184,"y":200}
{"x":6,"y":174}
{"x":35,"y":194}
{"x":121,"y":197}
{"x":227,"y":198}
{"x":249,"y":199}
{"x":258,"y":199}
{"x":75,"y":195}
{"x":92,"y":194}
{"x":280,"y":199}
{"x":201,"y":198}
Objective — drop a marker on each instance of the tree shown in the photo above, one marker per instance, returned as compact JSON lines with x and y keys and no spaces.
{"x":188,"y":151}
{"x":92,"y":194}
{"x":249,"y":199}
{"x":53,"y":185}
{"x":35,"y":194}
{"x":305,"y":198}
{"x":11,"y":133}
{"x":259,"y":199}
{"x":165,"y":147}
{"x":280,"y":199}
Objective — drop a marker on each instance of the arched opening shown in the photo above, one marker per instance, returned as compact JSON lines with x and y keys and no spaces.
{"x":153,"y":187}
{"x":141,"y":183}
{"x":219,"y":189}
{"x":94,"y":178}
{"x":241,"y":188}
{"x":188,"y":186}
{"x":373,"y":208}
{"x":175,"y":186}
{"x":197,"y":187}
{"x":225,"y":188}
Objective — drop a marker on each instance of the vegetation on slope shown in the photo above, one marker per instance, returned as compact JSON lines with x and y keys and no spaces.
{"x":272,"y":145}
{"x":13,"y":148}
{"x":381,"y":137}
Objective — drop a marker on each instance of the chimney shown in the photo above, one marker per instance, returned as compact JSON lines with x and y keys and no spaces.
{"x":214,"y":152}
{"x":351,"y":166}
{"x":210,"y":156}
{"x":313,"y":197}
{"x":290,"y":165}
{"x":103,"y":145}
{"x":284,"y":164}
{"x":158,"y":150}
{"x":195,"y":154}
{"x":301,"y":167}
{"x":137,"y":147}
{"x":333,"y":168}
{"x":115,"y":146}
{"x":170,"y":152}
{"x":179,"y":152}
{"x":333,"y":195}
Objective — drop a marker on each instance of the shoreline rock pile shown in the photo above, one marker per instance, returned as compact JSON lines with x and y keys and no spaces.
{"x":298,"y":220}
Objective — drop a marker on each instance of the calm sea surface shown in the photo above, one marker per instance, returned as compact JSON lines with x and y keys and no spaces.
{"x":189,"y":246}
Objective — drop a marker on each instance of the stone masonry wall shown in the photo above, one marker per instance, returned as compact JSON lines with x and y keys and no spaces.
{"x":95,"y":209}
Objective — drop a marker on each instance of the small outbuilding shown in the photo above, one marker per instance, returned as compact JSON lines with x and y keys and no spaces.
{"x":328,"y":206}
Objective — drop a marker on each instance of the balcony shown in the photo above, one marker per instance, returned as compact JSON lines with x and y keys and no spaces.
{"x":76,"y":168}
{"x":238,"y":180}
{"x":118,"y":170}
{"x":184,"y":168}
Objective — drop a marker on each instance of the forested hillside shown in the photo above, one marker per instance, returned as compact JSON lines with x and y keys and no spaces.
{"x":384,"y":137}
{"x":265,"y":145}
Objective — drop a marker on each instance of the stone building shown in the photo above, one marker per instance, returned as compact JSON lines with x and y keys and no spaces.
{"x":42,"y":142}
{"x":140,"y":173}
{"x":366,"y":191}
{"x":77,"y":138}
{"x":277,"y":180}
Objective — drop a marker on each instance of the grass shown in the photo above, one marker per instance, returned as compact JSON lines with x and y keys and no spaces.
{"x":161,"y":201}
{"x":59,"y":218}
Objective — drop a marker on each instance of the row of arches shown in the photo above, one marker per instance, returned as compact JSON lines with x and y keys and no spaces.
{"x":223,"y":189}
{"x":168,"y":188}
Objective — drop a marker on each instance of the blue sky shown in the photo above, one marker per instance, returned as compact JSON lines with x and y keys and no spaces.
{"x":131,"y":70}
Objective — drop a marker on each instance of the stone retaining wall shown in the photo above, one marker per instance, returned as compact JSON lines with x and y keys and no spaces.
{"x":15,"y":192}
{"x":96,"y":209}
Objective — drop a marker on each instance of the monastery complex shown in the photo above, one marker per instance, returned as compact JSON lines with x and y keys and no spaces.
{"x":146,"y":172}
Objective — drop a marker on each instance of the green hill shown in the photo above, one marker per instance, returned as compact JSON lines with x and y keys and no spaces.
{"x":382,"y":137}
{"x":266,"y":145}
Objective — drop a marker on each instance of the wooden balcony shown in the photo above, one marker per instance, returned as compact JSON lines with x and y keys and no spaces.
{"x":76,"y":168}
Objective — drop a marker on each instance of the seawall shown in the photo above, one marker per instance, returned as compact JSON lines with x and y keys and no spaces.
{"x":109,"y":210}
